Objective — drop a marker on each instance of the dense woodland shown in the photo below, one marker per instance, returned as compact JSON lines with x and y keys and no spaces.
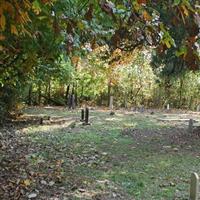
{"x":142,"y":52}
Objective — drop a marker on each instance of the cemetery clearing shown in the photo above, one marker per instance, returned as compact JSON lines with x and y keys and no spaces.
{"x":128,"y":155}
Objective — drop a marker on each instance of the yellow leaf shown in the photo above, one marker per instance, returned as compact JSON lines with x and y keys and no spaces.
{"x":2,"y":22}
{"x":27,"y":182}
{"x":167,"y":44}
{"x":185,"y":10}
{"x":13,"y":29}
{"x":27,"y":4}
{"x":1,"y":48}
{"x":146,"y":16}
{"x":80,"y":25}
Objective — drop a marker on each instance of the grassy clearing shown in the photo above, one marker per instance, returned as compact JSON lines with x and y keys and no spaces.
{"x":141,"y":163}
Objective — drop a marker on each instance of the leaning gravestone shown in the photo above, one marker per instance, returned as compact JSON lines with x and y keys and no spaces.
{"x":190,"y":126}
{"x":194,"y":187}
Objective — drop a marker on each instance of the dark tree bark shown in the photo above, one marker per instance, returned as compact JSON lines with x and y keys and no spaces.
{"x":109,"y":92}
{"x":49,"y":92}
{"x":30,"y":95}
{"x":39,"y":94}
{"x":67,"y":94}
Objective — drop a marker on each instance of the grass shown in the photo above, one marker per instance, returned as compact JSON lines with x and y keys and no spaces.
{"x":140,"y":168}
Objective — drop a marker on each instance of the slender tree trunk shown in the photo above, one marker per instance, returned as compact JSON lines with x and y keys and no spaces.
{"x":109,"y":92}
{"x":30,"y":95}
{"x":180,"y":92}
{"x":49,"y":92}
{"x":39,"y":94}
{"x":67,"y":94}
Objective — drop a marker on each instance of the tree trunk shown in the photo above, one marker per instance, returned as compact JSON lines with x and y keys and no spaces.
{"x":49,"y":92}
{"x":30,"y":95}
{"x":39,"y":94}
{"x":109,"y":92}
{"x":180,"y":92}
{"x":67,"y":94}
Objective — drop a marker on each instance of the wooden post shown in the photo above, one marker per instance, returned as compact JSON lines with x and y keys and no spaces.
{"x":82,"y":115}
{"x":190,"y":126}
{"x":194,"y":187}
{"x":86,"y":117}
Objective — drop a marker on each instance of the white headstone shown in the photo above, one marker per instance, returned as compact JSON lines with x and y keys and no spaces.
{"x":111,"y":103}
{"x":194,"y":187}
{"x":168,"y":106}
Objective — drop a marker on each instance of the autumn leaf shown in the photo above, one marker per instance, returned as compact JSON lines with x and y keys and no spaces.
{"x":27,"y":182}
{"x":36,"y":7}
{"x":2,"y":22}
{"x":185,"y":10}
{"x":142,"y":1}
{"x":2,"y":37}
{"x":146,"y":16}
{"x":9,"y":8}
{"x":13,"y":29}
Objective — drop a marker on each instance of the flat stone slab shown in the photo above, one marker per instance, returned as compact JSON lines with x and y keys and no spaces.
{"x":175,"y":119}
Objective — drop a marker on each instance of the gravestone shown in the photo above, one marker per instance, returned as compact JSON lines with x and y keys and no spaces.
{"x":168,"y":106}
{"x":111,"y":103}
{"x":73,"y":102}
{"x":190,"y":126}
{"x":198,"y":108}
{"x":82,"y":115}
{"x":194,"y":187}
{"x":86,"y":122}
{"x":142,"y":108}
{"x":41,"y":120}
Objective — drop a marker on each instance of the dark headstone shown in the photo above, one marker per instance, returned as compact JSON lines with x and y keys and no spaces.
{"x":86,"y":122}
{"x":82,"y":115}
{"x":73,"y":102}
{"x":41,"y":120}
{"x":190,"y":126}
{"x":112,"y":113}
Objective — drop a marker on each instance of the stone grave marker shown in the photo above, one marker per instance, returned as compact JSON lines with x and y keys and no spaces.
{"x":190,"y":126}
{"x":86,"y":122}
{"x":82,"y":115}
{"x":168,"y":106}
{"x":198,"y":108}
{"x":111,"y":103}
{"x":194,"y":187}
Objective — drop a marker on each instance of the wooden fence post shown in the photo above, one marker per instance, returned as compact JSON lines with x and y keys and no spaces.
{"x":194,"y":187}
